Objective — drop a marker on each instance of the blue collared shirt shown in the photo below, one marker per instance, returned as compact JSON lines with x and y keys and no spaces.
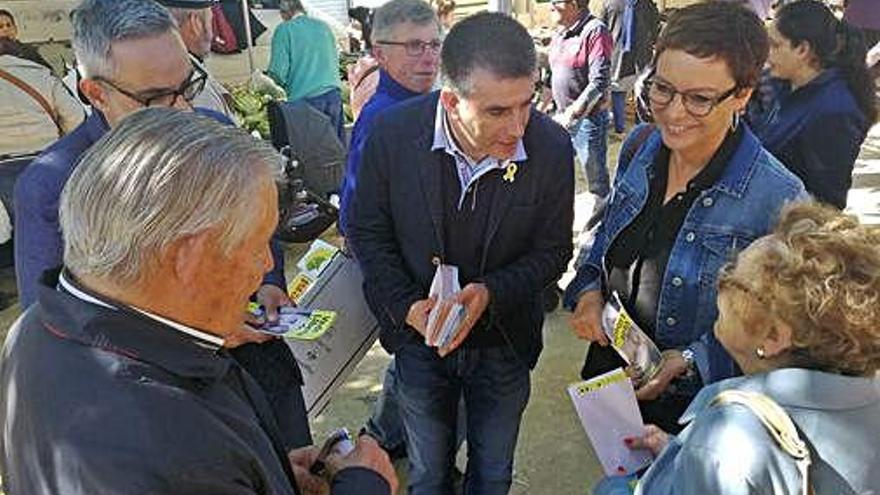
{"x":469,"y":171}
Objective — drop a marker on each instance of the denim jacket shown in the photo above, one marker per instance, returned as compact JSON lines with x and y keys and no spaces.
{"x":739,"y":208}
{"x":726,"y":450}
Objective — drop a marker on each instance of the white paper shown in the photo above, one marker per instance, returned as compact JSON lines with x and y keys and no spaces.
{"x":445,"y":317}
{"x":607,"y":408}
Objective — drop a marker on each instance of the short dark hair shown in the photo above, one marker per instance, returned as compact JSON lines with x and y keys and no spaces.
{"x":491,"y":41}
{"x":6,"y":13}
{"x":725,"y":30}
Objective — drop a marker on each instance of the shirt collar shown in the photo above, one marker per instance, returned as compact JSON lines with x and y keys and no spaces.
{"x":796,"y":388}
{"x":443,"y":140}
{"x":65,"y":282}
{"x":389,"y":86}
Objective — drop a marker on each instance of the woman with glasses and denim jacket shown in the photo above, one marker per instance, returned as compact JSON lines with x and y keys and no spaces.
{"x":690,"y":191}
{"x":825,"y":103}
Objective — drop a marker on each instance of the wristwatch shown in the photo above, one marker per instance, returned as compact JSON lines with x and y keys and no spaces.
{"x":689,"y":359}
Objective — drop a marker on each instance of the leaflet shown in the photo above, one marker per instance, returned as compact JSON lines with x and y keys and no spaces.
{"x":630,"y":341}
{"x":447,"y":315}
{"x":608,"y":411}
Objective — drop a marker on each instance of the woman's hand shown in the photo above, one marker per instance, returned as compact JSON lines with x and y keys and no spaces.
{"x":586,"y":322}
{"x":672,"y":366}
{"x":654,"y":440}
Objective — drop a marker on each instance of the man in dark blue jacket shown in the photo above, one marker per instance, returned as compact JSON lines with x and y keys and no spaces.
{"x":116,"y":379}
{"x":474,"y":178}
{"x":148,"y":66}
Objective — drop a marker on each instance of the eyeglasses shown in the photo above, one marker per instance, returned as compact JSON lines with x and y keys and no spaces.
{"x":188,"y":90}
{"x":415,"y":48}
{"x":696,"y":104}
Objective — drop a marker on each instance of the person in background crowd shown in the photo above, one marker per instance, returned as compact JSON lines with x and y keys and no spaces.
{"x":116,"y":380}
{"x":474,"y":178}
{"x":29,"y":123}
{"x":446,"y":13}
{"x":817,"y":123}
{"x":9,"y":31}
{"x":131,"y":56}
{"x":580,"y":64}
{"x":864,"y":15}
{"x":304,"y":60}
{"x":407,"y":47}
{"x":799,"y":315}
{"x":193,"y":19}
{"x":634,"y":25}
{"x":688,"y":193}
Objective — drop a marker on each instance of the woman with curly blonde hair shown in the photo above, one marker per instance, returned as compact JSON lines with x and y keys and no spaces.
{"x":800,"y":314}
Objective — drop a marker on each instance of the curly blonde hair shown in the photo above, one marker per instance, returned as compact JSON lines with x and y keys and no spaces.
{"x":819,"y":272}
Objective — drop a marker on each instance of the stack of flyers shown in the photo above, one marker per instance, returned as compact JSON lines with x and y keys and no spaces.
{"x":296,"y":323}
{"x":630,"y":341}
{"x":447,"y":315}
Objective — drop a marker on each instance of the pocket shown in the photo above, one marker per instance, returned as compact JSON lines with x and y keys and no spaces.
{"x":718,"y":250}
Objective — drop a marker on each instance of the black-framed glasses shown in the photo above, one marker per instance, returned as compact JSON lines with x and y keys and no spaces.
{"x":695,"y":103}
{"x":415,"y":48}
{"x":188,"y":90}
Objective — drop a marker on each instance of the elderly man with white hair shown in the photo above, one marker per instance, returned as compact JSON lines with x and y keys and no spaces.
{"x":131,"y":56}
{"x":116,"y":379}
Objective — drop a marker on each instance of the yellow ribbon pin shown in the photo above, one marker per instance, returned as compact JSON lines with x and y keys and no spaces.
{"x":510,"y":174}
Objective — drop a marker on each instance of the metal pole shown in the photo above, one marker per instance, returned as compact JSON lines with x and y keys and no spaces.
{"x":245,"y":13}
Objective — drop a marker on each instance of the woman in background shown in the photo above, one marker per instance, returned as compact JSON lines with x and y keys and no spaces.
{"x":818,"y":121}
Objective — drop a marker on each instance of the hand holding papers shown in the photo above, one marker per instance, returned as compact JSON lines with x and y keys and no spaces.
{"x":633,"y":345}
{"x":447,"y":314}
{"x":607,"y":408}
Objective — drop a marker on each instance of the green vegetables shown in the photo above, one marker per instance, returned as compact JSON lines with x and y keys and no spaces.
{"x":251,"y":108}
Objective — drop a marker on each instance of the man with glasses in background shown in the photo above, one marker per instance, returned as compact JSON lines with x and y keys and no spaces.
{"x":580,"y":62}
{"x":406,"y":44}
{"x":131,"y":56}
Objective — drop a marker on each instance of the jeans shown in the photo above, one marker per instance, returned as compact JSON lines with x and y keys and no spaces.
{"x":618,"y":108}
{"x":386,"y":426}
{"x":330,"y":104}
{"x":495,"y":386}
{"x":589,"y":136}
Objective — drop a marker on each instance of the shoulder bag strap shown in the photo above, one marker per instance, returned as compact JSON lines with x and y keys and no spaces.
{"x":33,"y":93}
{"x":778,"y":424}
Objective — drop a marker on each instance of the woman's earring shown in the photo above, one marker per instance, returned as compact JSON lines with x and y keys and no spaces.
{"x":735,"y":124}
{"x":760,"y":352}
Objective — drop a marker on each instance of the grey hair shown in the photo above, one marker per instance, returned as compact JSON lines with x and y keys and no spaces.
{"x":160,"y":175}
{"x":97,"y":24}
{"x":291,"y":6}
{"x":181,"y":15}
{"x":397,"y":12}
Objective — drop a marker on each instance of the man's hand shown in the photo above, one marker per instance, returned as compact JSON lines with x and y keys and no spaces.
{"x":417,"y":317}
{"x":301,"y":461}
{"x":271,"y":297}
{"x":672,"y":366}
{"x":586,"y":322}
{"x":366,"y":454}
{"x":654,"y":440}
{"x":475,"y":299}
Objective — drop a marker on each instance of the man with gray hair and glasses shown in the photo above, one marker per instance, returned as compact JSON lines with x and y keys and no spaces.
{"x":116,"y":380}
{"x":131,"y":56}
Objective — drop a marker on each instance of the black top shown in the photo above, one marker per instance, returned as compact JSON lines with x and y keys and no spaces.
{"x":638,"y":256}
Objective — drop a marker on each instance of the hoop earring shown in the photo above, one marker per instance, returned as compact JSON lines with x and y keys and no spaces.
{"x":760,"y":352}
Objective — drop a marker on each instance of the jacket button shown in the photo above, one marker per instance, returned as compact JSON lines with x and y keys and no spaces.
{"x":676,"y":281}
{"x":707,"y":202}
{"x":671,"y":321}
{"x":690,"y":237}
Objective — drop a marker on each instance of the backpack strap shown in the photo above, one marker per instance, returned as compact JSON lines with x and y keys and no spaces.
{"x":33,"y":93}
{"x":777,"y":423}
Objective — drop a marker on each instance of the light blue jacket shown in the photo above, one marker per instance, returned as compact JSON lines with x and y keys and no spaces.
{"x":740,"y":207}
{"x":725,"y":450}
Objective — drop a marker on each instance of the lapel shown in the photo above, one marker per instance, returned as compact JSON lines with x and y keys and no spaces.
{"x":430,"y":174}
{"x":505,"y":193}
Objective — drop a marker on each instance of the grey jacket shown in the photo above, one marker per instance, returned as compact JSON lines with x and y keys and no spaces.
{"x":726,"y":450}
